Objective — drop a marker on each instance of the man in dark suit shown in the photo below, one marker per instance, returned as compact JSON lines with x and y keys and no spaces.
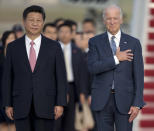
{"x":34,"y":80}
{"x":115,"y":60}
{"x":75,"y":68}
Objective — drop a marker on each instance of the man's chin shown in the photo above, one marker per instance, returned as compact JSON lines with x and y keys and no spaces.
{"x":35,"y":33}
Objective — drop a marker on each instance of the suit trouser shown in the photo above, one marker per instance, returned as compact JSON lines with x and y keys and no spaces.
{"x":110,"y":118}
{"x":66,"y":122}
{"x":34,"y":123}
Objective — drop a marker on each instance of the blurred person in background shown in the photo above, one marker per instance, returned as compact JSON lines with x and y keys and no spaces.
{"x":5,"y":123}
{"x":89,"y":25}
{"x":81,"y":41}
{"x":18,"y":29}
{"x":59,"y":21}
{"x":86,"y":37}
{"x":78,"y":39}
{"x":50,"y":31}
{"x":74,"y":26}
{"x":75,"y":63}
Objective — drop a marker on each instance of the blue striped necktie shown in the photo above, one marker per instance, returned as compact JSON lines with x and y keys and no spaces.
{"x":113,"y":45}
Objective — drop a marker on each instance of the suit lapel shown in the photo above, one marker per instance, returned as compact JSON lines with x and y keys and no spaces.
{"x":41,"y":55}
{"x":24,"y":53}
{"x":74,"y":58}
{"x":123,"y":42}
{"x":105,"y":45}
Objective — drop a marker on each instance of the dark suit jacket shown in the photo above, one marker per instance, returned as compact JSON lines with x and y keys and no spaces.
{"x":1,"y":72}
{"x":78,"y":65}
{"x":88,"y":76}
{"x":128,"y":76}
{"x":47,"y":84}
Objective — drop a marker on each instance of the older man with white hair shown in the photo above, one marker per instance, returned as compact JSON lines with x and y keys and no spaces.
{"x":115,"y":60}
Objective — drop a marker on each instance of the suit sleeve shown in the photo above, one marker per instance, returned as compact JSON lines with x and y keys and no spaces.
{"x":97,"y":65}
{"x":138,"y":67}
{"x":7,"y":80}
{"x":83,"y":80}
{"x":61,"y":78}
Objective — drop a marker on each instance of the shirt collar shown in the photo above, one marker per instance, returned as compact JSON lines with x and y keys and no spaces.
{"x":117,"y":36}
{"x":86,"y":50}
{"x":65,"y":45}
{"x":37,"y":40}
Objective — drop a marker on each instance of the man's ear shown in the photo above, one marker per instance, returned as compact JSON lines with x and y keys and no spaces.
{"x":23,"y":22}
{"x":103,"y":20}
{"x":121,"y":21}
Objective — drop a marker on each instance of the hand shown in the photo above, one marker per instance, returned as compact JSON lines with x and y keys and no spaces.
{"x":9,"y":112}
{"x":124,"y":55}
{"x":82,"y":98}
{"x":133,"y":113}
{"x":58,"y":111}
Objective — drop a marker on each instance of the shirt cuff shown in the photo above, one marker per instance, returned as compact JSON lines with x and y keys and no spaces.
{"x":138,"y":107}
{"x":116,"y":60}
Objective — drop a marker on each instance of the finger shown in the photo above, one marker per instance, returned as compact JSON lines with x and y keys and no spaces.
{"x":130,"y":54}
{"x":130,"y":60}
{"x":130,"y":111}
{"x":12,"y":115}
{"x":55,"y":110}
{"x":127,"y":51}
{"x":9,"y":115}
{"x":132,"y":117}
{"x":130,"y":57}
{"x":57,"y":116}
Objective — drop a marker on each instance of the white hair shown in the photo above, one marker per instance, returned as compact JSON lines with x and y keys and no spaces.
{"x":112,"y":6}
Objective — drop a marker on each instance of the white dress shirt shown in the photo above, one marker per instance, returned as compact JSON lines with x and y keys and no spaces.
{"x":68,"y":60}
{"x":117,"y":41}
{"x":36,"y":46}
{"x":86,"y":50}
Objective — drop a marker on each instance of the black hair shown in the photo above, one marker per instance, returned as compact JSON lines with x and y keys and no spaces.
{"x":79,"y":33}
{"x":65,"y":25}
{"x":50,"y":25}
{"x":5,"y":35}
{"x":88,"y":20}
{"x":34,"y":8}
{"x":17,"y":27}
{"x":57,"y":20}
{"x":70,"y":22}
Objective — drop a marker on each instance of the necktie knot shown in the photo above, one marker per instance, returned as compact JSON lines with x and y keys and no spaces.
{"x":32,"y":43}
{"x":113,"y":37}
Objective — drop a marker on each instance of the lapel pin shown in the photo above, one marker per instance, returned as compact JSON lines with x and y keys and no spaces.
{"x":125,"y":42}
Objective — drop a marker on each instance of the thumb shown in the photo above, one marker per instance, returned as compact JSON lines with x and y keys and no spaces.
{"x":130,"y":111}
{"x":118,"y":50}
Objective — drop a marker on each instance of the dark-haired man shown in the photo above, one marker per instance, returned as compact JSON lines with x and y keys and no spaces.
{"x":50,"y":31}
{"x":34,"y":80}
{"x":73,"y":25}
{"x":89,"y":25}
{"x":74,"y":62}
